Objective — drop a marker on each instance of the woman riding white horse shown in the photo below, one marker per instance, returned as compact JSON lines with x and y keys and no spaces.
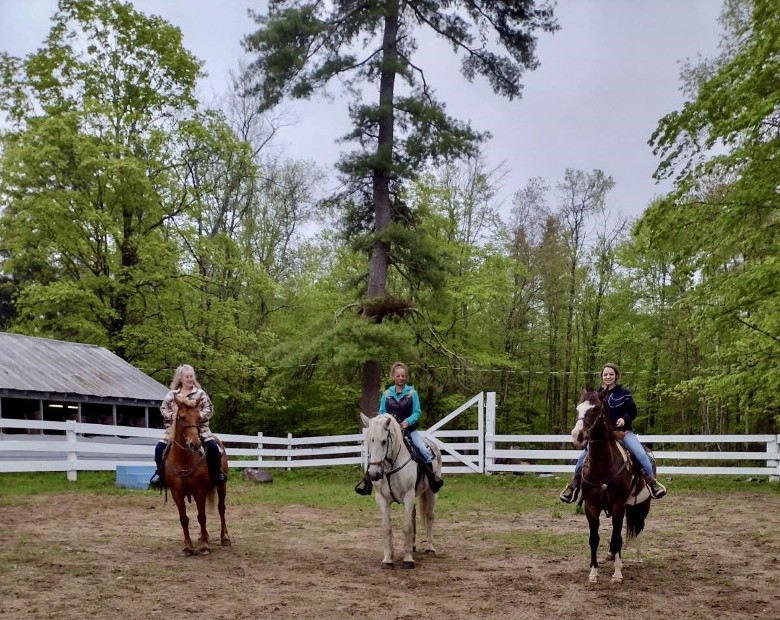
{"x":402,"y":402}
{"x":395,"y":477}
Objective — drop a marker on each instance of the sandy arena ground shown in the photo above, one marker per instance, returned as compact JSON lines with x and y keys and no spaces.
{"x":77,"y":556}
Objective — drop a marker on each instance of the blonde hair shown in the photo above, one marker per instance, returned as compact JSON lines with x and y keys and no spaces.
{"x":397,"y":365}
{"x":179,"y":373}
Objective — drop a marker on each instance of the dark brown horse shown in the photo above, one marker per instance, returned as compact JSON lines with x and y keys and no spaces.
{"x":186,"y":474}
{"x":607,"y":483}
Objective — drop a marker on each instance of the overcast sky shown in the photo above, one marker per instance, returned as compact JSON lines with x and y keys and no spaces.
{"x":605,"y":80}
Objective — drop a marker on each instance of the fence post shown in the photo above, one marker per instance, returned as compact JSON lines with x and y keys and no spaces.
{"x":490,"y":431}
{"x":259,"y":449}
{"x":771,"y":448}
{"x":289,"y":450}
{"x":72,"y":457}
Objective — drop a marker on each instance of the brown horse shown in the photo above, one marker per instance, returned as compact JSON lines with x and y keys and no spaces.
{"x":607,"y":483}
{"x":186,"y":474}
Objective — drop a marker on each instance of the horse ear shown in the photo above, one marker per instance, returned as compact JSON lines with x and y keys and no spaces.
{"x":388,"y":420}
{"x":364,"y":419}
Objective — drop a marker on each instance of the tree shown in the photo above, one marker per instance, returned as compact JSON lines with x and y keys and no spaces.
{"x":301,"y":48}
{"x":86,"y":172}
{"x":722,"y":146}
{"x":582,"y":195}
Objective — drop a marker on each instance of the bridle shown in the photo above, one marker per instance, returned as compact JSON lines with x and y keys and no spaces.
{"x":388,"y":471}
{"x":604,"y":486}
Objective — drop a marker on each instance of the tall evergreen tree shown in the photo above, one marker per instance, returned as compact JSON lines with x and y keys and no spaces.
{"x":301,"y":47}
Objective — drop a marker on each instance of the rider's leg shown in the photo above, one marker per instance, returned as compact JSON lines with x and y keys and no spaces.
{"x":214,"y":458}
{"x":569,"y":494}
{"x":434,"y":481}
{"x":631,"y":441}
{"x":156,"y":480}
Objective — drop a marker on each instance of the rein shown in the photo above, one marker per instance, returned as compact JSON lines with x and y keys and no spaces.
{"x":389,"y":461}
{"x":603,"y":486}
{"x":184,"y":473}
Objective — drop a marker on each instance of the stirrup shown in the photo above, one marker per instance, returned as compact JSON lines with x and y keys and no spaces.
{"x":657,"y":490}
{"x":155,"y":482}
{"x":364,"y":487}
{"x":435,"y":484}
{"x":567,"y":498}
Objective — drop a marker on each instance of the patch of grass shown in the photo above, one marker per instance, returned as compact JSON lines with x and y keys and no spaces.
{"x":719,"y":484}
{"x":39,"y":483}
{"x":539,"y":542}
{"x":332,"y":487}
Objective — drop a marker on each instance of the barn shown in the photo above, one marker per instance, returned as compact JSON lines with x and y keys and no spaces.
{"x":53,"y":380}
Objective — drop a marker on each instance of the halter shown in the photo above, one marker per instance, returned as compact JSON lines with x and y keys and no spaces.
{"x":604,"y":486}
{"x":387,"y":459}
{"x":184,"y":473}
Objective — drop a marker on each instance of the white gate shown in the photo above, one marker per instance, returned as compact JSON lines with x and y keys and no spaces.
{"x":463,"y":451}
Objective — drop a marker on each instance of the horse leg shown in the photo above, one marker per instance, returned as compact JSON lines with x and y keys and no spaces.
{"x":200,"y":500}
{"x":224,"y":537}
{"x":178,"y":497}
{"x":592,"y":513}
{"x":409,"y":524}
{"x":387,"y":528}
{"x":427,"y":504}
{"x":616,"y":543}
{"x":414,"y":529}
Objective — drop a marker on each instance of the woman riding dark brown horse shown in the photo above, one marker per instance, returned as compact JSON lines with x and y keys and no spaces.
{"x":607,"y":482}
{"x":186,"y":473}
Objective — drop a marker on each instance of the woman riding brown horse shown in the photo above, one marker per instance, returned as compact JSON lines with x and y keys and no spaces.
{"x":186,"y":474}
{"x":607,"y":482}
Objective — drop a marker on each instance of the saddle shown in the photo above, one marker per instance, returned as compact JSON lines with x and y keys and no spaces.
{"x":639,"y":490}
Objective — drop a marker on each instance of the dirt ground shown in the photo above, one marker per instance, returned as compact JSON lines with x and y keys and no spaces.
{"x":74,"y":556}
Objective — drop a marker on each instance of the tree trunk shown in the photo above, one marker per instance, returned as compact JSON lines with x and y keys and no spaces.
{"x":380,"y":257}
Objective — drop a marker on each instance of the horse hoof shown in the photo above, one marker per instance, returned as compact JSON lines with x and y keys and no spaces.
{"x":593,"y":579}
{"x":187,"y":552}
{"x":226,"y":542}
{"x":617,"y":580}
{"x":205,"y":551}
{"x":387,"y":565}
{"x":407,"y":565}
{"x":430,"y":552}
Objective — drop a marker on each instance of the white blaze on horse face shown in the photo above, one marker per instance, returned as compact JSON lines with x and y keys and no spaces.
{"x":576,"y":432}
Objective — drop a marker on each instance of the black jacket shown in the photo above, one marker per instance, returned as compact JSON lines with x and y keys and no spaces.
{"x":620,"y":404}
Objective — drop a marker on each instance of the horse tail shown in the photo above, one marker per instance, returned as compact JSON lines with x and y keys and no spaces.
{"x":635,"y":518}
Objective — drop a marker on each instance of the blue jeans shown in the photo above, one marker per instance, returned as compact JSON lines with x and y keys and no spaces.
{"x":633,"y":445}
{"x":421,"y":446}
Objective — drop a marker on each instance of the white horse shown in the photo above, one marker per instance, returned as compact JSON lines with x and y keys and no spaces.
{"x":396,"y":478}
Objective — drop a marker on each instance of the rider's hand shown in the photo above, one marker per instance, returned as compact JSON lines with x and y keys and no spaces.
{"x":404,"y":424}
{"x":620,"y":423}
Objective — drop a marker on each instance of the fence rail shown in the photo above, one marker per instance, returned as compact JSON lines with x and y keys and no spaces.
{"x":32,"y":445}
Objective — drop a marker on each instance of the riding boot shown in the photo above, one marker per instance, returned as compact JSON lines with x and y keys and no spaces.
{"x":657,"y":490}
{"x":214,"y":458}
{"x":155,"y":481}
{"x":434,"y":481}
{"x":569,"y":494}
{"x":365,"y":486}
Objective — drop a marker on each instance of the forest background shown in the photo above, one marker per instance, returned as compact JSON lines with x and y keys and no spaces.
{"x":136,"y":218}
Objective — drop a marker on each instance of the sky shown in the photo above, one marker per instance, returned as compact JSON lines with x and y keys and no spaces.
{"x":606,"y":78}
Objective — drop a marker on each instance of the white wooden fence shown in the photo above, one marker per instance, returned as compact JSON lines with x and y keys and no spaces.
{"x":31,"y":445}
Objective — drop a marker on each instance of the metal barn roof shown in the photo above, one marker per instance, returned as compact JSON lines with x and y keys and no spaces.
{"x":30,"y":366}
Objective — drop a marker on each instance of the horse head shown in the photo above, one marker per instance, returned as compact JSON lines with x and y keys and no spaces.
{"x":592,"y":421}
{"x":188,"y":423}
{"x":383,"y":442}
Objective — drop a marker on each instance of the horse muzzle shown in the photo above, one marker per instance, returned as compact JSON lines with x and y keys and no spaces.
{"x":375,"y":472}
